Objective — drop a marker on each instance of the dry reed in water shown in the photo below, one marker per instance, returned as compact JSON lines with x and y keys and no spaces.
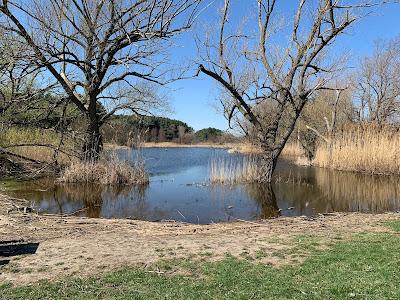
{"x":234,"y":170}
{"x":364,"y":150}
{"x":107,"y":171}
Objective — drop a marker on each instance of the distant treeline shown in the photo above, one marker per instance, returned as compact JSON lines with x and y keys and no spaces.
{"x":131,"y":130}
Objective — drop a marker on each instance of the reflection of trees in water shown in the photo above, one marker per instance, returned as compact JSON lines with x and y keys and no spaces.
{"x":99,"y":200}
{"x":90,"y":197}
{"x":131,"y":202}
{"x":260,"y":194}
{"x":347,"y":191}
{"x":328,"y":190}
{"x":265,"y":197}
{"x":91,"y":200}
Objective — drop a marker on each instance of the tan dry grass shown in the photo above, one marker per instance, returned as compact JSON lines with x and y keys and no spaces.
{"x":14,"y":136}
{"x":244,"y":148}
{"x":43,"y":154}
{"x":234,"y":170}
{"x":107,"y":171}
{"x":293,"y":150}
{"x":365,"y":150}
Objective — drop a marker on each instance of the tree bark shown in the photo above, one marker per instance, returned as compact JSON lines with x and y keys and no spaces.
{"x":267,"y":167}
{"x":93,"y":144}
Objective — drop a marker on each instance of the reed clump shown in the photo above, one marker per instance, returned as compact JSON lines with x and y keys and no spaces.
{"x":365,"y":149}
{"x":234,"y":170}
{"x":106,"y":171}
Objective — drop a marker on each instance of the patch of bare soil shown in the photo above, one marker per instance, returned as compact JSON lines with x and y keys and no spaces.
{"x":81,"y":247}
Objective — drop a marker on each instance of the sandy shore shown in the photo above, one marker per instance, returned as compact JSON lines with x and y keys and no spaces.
{"x":82,"y":247}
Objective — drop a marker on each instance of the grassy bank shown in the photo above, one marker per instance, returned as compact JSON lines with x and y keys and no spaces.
{"x":244,"y":148}
{"x":364,"y":266}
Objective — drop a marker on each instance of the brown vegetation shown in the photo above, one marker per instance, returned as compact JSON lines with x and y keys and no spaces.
{"x":37,"y":144}
{"x":292,"y":150}
{"x":234,"y":170}
{"x":107,"y":171}
{"x":362,"y":149}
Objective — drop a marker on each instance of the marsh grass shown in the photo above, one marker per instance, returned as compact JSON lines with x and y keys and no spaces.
{"x":364,"y":148}
{"x":109,"y":170}
{"x":9,"y":137}
{"x":292,"y":150}
{"x":234,"y":169}
{"x":367,"y":149}
{"x":17,"y":135}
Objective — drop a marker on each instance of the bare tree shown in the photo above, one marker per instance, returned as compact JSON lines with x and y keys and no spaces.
{"x":98,"y":51}
{"x":27,"y":96}
{"x":377,"y":84}
{"x":322,"y":115}
{"x":270,"y":81}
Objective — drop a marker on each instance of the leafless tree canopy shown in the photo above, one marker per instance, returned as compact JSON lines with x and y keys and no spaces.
{"x":103,"y":51}
{"x":377,"y":84}
{"x":269,"y":78}
{"x":19,"y":84}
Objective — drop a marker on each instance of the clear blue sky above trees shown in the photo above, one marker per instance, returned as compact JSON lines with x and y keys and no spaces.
{"x":194,"y":100}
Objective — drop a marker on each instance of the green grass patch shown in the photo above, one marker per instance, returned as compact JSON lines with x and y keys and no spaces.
{"x":367,"y":267}
{"x":394,"y":225}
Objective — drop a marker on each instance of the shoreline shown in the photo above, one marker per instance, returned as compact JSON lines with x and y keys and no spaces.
{"x":85,"y":247}
{"x":244,"y":148}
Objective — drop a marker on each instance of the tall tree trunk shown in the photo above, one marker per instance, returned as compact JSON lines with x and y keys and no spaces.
{"x":93,"y":144}
{"x":267,"y":167}
{"x":268,"y":157}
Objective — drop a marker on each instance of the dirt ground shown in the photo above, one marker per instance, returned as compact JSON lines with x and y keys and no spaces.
{"x":81,"y":247}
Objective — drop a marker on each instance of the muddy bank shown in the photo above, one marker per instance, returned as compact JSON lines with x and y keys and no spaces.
{"x":81,"y":247}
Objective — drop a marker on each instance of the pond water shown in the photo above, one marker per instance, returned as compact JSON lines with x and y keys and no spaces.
{"x":179,"y":190}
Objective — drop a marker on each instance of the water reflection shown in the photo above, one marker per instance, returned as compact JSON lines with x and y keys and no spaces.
{"x":265,"y":198}
{"x":367,"y":193}
{"x":322,"y":190}
{"x":180,"y":191}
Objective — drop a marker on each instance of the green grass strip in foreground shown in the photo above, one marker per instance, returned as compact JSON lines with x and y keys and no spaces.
{"x":367,"y":267}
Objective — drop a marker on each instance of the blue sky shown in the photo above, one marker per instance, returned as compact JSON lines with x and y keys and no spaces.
{"x":193,"y":101}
